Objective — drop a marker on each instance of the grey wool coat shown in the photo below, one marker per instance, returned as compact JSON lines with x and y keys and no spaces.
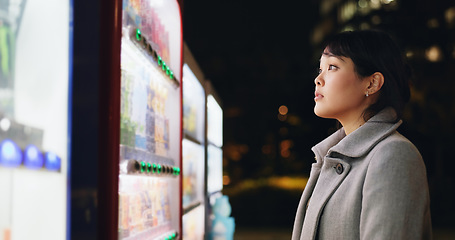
{"x":371,"y":184}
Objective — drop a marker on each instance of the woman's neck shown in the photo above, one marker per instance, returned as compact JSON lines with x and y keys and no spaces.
{"x":350,"y":126}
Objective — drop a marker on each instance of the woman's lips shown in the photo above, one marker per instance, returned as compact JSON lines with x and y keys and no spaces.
{"x":317,"y":96}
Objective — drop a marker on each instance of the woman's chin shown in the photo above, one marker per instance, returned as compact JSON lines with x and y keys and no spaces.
{"x":320,"y":112}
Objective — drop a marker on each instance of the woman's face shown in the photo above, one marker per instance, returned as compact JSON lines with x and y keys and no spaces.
{"x":340,"y":93}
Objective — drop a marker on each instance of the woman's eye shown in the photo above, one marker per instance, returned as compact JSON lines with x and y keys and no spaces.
{"x":319,"y":71}
{"x":332,"y":67}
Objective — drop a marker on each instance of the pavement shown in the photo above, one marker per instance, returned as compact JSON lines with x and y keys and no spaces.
{"x":285,"y":234}
{"x":262,"y":234}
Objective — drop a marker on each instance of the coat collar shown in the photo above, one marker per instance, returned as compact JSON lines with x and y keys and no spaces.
{"x":362,"y":140}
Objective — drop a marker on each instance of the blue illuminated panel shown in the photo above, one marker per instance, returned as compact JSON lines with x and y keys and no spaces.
{"x":10,"y":154}
{"x":33,"y":158}
{"x":52,"y":162}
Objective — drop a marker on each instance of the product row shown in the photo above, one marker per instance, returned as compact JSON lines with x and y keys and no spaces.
{"x":144,"y":208}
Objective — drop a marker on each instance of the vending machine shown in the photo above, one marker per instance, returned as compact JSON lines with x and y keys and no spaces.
{"x":193,"y":150}
{"x":219,"y":223}
{"x":214,"y":143}
{"x":35,"y":108}
{"x":150,"y":124}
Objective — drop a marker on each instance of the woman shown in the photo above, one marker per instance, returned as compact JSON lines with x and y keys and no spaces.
{"x":369,"y":181}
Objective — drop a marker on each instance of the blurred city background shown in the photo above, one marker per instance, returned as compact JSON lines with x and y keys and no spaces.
{"x":262,"y":57}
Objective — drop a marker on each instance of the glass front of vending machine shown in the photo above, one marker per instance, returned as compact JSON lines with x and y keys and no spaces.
{"x":193,"y":153}
{"x":149,"y":205}
{"x":34,"y":118}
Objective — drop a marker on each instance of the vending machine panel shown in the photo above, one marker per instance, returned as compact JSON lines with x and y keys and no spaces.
{"x":150,"y":121}
{"x":34,"y":118}
{"x":214,"y":146}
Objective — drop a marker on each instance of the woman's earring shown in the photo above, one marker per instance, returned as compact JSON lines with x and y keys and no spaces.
{"x":366,"y":94}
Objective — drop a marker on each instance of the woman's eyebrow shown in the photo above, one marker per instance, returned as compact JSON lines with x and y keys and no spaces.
{"x":329,"y":54}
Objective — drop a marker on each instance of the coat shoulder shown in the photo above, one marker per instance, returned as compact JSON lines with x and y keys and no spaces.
{"x":396,"y":146}
{"x":396,"y":153}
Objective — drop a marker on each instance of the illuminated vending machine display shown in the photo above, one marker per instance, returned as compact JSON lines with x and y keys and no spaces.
{"x":219,"y":224}
{"x":214,"y":146}
{"x":193,"y":153}
{"x":34,"y":118}
{"x":150,"y":121}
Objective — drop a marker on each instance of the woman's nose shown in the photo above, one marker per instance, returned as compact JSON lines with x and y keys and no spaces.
{"x":318,"y":81}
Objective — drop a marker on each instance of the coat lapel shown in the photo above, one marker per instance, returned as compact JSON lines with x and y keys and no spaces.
{"x":301,"y":210}
{"x":328,"y":181}
{"x":319,"y":150}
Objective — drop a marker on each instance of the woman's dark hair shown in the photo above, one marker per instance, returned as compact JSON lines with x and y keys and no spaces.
{"x":374,"y":51}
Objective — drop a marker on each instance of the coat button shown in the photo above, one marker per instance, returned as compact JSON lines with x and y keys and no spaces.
{"x":339,"y":168}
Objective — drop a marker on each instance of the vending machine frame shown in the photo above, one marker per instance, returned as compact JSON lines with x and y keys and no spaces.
{"x":109,"y":118}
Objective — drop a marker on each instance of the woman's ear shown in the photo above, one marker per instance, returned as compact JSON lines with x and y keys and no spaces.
{"x":376,"y":80}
